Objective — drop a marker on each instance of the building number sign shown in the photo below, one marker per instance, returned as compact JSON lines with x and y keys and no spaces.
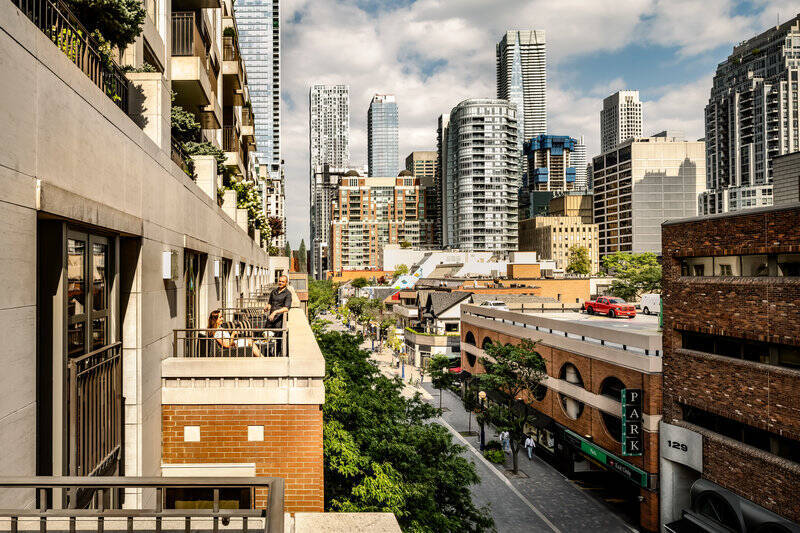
{"x":632,"y":438}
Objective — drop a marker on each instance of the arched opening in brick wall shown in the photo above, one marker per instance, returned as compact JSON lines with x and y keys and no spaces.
{"x":611,"y":387}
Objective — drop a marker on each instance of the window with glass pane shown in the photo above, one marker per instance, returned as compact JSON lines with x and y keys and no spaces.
{"x":727,"y":266}
{"x":696,"y":266}
{"x":789,"y":265}
{"x":755,"y":265}
{"x":88,"y":291}
{"x":76,"y":288}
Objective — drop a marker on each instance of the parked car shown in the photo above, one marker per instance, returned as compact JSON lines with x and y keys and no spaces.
{"x":650,"y":304}
{"x":495,"y":304}
{"x":613,"y":307}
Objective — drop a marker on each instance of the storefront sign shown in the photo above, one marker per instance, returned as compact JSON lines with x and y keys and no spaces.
{"x":604,"y":457}
{"x":681,"y":445}
{"x":632,"y":441}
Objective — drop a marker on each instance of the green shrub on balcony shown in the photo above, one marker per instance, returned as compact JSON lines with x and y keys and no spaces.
{"x":206,"y":148}
{"x":118,"y":22}
{"x":229,"y":32}
{"x":248,"y":198}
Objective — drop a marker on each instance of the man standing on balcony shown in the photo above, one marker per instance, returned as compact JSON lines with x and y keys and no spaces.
{"x":280,"y":300}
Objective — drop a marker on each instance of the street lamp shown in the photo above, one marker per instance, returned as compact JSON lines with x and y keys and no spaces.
{"x":482,"y":400}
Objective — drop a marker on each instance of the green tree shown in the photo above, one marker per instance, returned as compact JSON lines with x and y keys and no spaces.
{"x":287,"y":249}
{"x":512,"y":373}
{"x":441,"y":377}
{"x":400,"y":270}
{"x":118,"y":22}
{"x":321,"y":297}
{"x":302,"y":258}
{"x":359,"y":283}
{"x":184,"y":126}
{"x":275,"y":226}
{"x":383,"y":453}
{"x":635,"y":274}
{"x":579,"y":261}
{"x":405,"y":244}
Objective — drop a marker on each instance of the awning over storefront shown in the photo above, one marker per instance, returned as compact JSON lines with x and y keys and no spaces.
{"x":610,"y":461}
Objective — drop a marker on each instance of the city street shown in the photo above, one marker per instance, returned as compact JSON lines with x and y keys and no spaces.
{"x":540,"y":500}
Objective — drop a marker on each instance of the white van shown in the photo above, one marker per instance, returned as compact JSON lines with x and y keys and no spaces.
{"x":651,"y":304}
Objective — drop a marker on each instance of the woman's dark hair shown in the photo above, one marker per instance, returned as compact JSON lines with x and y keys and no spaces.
{"x":212,"y":318}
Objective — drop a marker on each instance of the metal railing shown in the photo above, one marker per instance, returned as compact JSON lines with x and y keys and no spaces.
{"x":229,"y":49}
{"x":95,"y":411}
{"x":247,"y":116}
{"x":233,"y":341}
{"x":180,"y":157}
{"x":56,"y":21}
{"x":230,"y":139}
{"x":262,"y":489}
{"x":186,"y":36}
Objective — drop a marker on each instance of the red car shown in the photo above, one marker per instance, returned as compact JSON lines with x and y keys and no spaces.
{"x":613,"y":307}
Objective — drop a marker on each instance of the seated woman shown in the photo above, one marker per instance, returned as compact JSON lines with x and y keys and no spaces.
{"x":228,"y":339}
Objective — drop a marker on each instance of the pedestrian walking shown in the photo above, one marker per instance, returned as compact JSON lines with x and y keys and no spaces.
{"x":505,"y":438}
{"x":530,"y":446}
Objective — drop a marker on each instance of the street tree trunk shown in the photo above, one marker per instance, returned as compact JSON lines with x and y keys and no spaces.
{"x":514,"y":452}
{"x":440,"y":396}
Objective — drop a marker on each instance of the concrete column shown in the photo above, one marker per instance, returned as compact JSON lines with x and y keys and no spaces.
{"x":205,"y":168}
{"x":149,"y":106}
{"x":257,"y":237}
{"x":241,"y":218}
{"x":229,"y":204}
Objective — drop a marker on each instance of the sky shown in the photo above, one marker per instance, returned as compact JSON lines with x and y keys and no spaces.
{"x":432,"y":54}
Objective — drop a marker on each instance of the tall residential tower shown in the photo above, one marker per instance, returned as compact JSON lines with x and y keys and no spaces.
{"x":522,"y":78}
{"x":383,"y":152}
{"x":620,"y":119}
{"x":752,"y":116}
{"x":328,"y":144}
{"x":481,"y":176}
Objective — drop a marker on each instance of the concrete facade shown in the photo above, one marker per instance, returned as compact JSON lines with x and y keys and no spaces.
{"x":786,"y":179}
{"x":74,"y":160}
{"x":552,"y":237}
{"x":642,"y":183}
{"x":620,"y":119}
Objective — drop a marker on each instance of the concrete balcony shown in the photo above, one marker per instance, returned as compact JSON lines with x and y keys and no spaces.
{"x":233,"y":77}
{"x":405,"y":312}
{"x":234,"y":158}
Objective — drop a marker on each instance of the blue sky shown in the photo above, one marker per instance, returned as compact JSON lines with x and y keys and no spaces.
{"x":434,"y":53}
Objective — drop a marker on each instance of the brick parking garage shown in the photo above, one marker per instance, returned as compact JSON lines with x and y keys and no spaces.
{"x":730,"y":440}
{"x":589,"y":359}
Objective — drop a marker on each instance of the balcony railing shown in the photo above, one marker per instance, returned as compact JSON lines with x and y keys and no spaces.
{"x":230,"y":140}
{"x":56,"y":21}
{"x":180,"y":157}
{"x":236,"y":339}
{"x":45,"y":518}
{"x":229,"y":50}
{"x":247,"y":116}
{"x":186,"y":36}
{"x":95,"y":411}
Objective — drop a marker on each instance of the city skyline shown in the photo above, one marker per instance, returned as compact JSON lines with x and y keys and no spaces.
{"x":447,"y":54}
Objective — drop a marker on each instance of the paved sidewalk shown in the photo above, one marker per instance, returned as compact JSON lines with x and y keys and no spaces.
{"x":562,"y":503}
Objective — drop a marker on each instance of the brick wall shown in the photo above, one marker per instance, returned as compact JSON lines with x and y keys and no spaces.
{"x":291,"y":449}
{"x":762,"y":309}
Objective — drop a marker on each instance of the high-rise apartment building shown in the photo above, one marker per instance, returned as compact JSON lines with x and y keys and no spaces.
{"x":522,"y":78}
{"x":552,"y":237}
{"x":443,"y":232}
{"x":328,"y":144}
{"x":640,"y":184}
{"x":325,"y":187}
{"x":258,"y":23}
{"x":550,"y":169}
{"x":578,"y":159}
{"x":481,"y":177}
{"x":620,"y":119}
{"x":424,"y":165}
{"x":369,"y":212}
{"x":383,"y":152}
{"x":752,"y":116}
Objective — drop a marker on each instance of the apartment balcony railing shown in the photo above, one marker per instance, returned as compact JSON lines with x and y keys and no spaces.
{"x":229,"y":50}
{"x":95,"y":411}
{"x":56,"y":21}
{"x":247,"y":116}
{"x":186,"y":36}
{"x":180,"y":157}
{"x":158,"y":518}
{"x":230,"y":139}
{"x":237,"y":339}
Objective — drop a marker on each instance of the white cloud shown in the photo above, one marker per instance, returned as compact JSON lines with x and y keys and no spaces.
{"x":392,"y":51}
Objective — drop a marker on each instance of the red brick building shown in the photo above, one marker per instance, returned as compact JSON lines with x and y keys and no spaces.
{"x":731,"y":434}
{"x":578,"y":425}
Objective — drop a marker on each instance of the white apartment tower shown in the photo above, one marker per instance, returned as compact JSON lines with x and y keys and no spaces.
{"x":578,"y":159}
{"x":328,"y":144}
{"x":522,"y":78}
{"x":481,"y":176}
{"x":620,"y":119}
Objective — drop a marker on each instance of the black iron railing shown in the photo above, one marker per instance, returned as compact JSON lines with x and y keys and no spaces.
{"x":56,"y":21}
{"x":180,"y":157}
{"x":230,"y":140}
{"x":186,"y":36}
{"x":233,"y":340}
{"x":95,"y":411}
{"x":265,"y":514}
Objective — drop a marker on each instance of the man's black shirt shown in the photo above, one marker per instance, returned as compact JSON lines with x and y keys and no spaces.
{"x":280,"y":298}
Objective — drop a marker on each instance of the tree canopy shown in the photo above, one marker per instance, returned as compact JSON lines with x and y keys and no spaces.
{"x":400,"y":270}
{"x":579,"y":261}
{"x":441,"y":378}
{"x":302,"y":257}
{"x":383,"y":454}
{"x":117,"y":21}
{"x":513,"y":372}
{"x":359,"y":283}
{"x":321,"y":297}
{"x":635,"y":274}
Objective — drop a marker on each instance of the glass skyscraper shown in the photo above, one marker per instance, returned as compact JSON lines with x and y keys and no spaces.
{"x":383,"y":153}
{"x":258,"y":23}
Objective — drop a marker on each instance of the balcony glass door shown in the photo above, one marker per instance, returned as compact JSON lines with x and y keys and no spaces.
{"x":191,"y":268}
{"x":88,"y":319}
